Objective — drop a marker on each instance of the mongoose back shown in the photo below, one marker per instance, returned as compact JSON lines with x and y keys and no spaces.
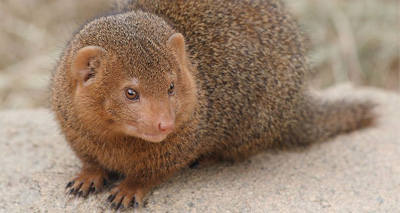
{"x":155,"y":86}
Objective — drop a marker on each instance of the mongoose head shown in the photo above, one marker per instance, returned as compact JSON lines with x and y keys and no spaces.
{"x":132,"y":76}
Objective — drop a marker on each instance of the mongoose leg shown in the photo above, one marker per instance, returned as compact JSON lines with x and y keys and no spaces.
{"x":203,"y":161}
{"x":126,"y":194}
{"x":90,"y":180}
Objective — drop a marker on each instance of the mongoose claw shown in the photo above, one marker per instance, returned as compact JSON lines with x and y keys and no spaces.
{"x":85,"y":184}
{"x":105,"y":181}
{"x":121,"y":208}
{"x":93,"y":190}
{"x":75,"y":187}
{"x":110,"y":198}
{"x":123,"y":197}
{"x":69,"y":184}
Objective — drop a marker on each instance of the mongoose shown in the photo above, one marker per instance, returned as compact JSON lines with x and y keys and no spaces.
{"x":155,"y":86}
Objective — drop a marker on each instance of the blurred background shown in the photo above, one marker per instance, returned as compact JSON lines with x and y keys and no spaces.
{"x":351,"y":41}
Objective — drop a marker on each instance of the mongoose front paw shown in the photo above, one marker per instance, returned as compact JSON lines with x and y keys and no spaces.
{"x":124,"y":196}
{"x":86,"y":183}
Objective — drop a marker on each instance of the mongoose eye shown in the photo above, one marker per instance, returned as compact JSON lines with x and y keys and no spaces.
{"x":171,"y":90}
{"x":131,"y":94}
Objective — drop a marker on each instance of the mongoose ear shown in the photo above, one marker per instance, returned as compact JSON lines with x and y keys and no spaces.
{"x":85,"y":63}
{"x":177,"y":42}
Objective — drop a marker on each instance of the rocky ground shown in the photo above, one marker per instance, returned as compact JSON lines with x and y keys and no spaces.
{"x":356,"y":172}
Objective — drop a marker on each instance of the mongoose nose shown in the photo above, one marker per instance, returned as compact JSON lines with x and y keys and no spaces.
{"x":166,"y":127}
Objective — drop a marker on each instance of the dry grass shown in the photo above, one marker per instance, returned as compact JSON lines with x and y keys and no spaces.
{"x":32,"y":34}
{"x":355,"y":41}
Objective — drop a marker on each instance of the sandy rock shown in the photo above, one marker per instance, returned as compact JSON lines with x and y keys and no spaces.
{"x":356,"y":172}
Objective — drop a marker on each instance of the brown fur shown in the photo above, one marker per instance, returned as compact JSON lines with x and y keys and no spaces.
{"x":241,"y":87}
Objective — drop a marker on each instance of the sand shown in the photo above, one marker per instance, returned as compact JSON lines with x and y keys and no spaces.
{"x":356,"y":172}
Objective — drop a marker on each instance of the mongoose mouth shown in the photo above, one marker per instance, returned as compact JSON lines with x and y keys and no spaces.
{"x":155,"y":138}
{"x":134,"y":131}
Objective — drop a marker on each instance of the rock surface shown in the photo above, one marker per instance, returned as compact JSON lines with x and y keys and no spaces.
{"x":356,"y":172}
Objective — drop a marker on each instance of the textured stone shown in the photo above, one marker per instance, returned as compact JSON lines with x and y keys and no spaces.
{"x":356,"y":172}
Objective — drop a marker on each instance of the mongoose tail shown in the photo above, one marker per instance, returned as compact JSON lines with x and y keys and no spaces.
{"x":324,"y":119}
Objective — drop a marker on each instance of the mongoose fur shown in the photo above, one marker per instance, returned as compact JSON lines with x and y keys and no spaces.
{"x":157,"y":85}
